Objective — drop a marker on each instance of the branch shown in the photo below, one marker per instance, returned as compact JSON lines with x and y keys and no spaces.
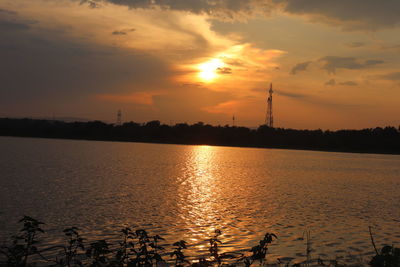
{"x":372,"y":240}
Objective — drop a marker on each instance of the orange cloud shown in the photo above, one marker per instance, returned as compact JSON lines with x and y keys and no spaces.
{"x":249,"y":105}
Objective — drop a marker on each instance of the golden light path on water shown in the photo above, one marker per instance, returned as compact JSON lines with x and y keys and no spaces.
{"x":208,"y":200}
{"x":198,"y":207}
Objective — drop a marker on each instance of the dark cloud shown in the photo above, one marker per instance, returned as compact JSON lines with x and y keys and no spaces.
{"x":91,"y":3}
{"x":391,"y":47}
{"x":7,"y":12}
{"x":355,"y":44}
{"x":300,"y":67}
{"x":220,"y":9}
{"x":224,"y":70}
{"x":349,"y":14}
{"x":289,"y":94}
{"x":6,"y":25}
{"x":331,"y":82}
{"x":40,"y":65}
{"x":331,"y":63}
{"x":393,"y":76}
{"x":317,"y":100}
{"x":123,"y":32}
{"x":373,"y":62}
{"x":233,"y":62}
{"x":348,"y":83}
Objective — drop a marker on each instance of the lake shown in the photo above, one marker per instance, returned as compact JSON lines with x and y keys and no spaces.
{"x":185,"y":192}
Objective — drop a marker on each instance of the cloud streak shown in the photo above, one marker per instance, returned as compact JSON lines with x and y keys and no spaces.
{"x":331,"y":82}
{"x":332,"y":63}
{"x":300,"y":67}
{"x":123,"y":32}
{"x":393,"y":76}
{"x":348,"y":14}
{"x":348,"y":83}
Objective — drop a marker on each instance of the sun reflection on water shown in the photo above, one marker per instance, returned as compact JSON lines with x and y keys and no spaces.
{"x":213,"y":193}
{"x":198,"y":195}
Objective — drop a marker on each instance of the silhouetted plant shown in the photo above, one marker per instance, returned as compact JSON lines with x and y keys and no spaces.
{"x":389,"y":257}
{"x":139,"y":249}
{"x":127,"y":247}
{"x":98,"y":253}
{"x":148,"y":248}
{"x":156,"y":247}
{"x":180,"y":258}
{"x":214,"y":251}
{"x":75,"y":243}
{"x":259,"y":252}
{"x":24,"y":244}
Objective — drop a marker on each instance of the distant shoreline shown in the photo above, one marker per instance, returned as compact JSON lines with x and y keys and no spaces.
{"x":367,"y":141}
{"x":181,"y":144}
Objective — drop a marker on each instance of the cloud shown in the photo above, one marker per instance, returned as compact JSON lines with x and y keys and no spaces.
{"x":39,"y":64}
{"x":317,"y":100}
{"x":372,"y":62}
{"x":233,"y":62}
{"x":219,"y":9}
{"x":7,"y":25}
{"x":290,"y":94}
{"x":348,"y":14}
{"x":91,"y":3}
{"x":331,"y":63}
{"x":300,"y":67}
{"x":7,"y":12}
{"x":348,"y":83}
{"x":393,"y":76}
{"x":224,"y":70}
{"x":123,"y":32}
{"x":355,"y":44}
{"x":331,"y":82}
{"x":390,"y":47}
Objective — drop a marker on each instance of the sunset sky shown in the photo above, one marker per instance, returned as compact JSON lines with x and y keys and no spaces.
{"x":333,"y":63}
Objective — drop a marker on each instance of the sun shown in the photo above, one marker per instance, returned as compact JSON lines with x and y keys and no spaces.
{"x":208,"y":70}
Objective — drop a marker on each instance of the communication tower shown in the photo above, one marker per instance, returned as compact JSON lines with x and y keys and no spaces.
{"x":119,"y":118}
{"x":269,"y":119}
{"x":233,"y":120}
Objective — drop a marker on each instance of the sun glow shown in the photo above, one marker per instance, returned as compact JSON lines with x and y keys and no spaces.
{"x":209,"y":70}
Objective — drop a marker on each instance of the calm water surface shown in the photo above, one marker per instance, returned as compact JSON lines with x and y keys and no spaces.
{"x":185,"y":192}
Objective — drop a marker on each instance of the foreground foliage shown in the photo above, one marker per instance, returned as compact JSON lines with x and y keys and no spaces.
{"x":137,"y":248}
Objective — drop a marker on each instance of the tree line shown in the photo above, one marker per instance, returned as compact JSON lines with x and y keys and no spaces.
{"x":371,"y":140}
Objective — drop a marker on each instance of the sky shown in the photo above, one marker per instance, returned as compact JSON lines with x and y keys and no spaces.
{"x":334,"y":64}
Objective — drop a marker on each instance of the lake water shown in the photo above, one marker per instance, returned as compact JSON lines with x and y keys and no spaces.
{"x":185,"y":192}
